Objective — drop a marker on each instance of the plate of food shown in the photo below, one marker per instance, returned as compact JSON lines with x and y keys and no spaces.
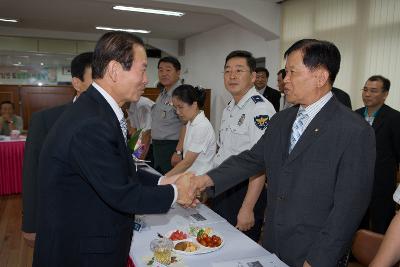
{"x":198,"y":241}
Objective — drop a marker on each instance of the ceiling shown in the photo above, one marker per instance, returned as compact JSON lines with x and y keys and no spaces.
{"x":77,"y":19}
{"x":83,"y":15}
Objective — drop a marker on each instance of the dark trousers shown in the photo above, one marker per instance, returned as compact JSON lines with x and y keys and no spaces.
{"x":162,"y":153}
{"x":228,"y":204}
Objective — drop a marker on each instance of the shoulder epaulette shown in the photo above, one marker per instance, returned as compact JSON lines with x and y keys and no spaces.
{"x":257,"y":98}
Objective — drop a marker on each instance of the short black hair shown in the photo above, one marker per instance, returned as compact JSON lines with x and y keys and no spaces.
{"x":173,"y":60}
{"x":116,"y":46}
{"x":282,"y":72}
{"x":80,"y":63}
{"x":7,"y":102}
{"x":317,"y":53}
{"x":251,"y":61}
{"x":262,"y":69}
{"x":189,"y":94}
{"x":385,"y":81}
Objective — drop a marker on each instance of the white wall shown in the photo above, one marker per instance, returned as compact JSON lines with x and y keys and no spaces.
{"x":204,"y":60}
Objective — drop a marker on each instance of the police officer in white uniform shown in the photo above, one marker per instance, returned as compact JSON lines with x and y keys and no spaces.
{"x":243,"y":122}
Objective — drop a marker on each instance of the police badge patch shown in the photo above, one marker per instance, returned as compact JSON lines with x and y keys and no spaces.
{"x":261,"y":121}
{"x":257,"y":98}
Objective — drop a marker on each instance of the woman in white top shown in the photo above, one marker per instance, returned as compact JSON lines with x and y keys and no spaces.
{"x":199,"y":144}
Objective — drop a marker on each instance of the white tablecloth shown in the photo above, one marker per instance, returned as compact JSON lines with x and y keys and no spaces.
{"x":237,"y":246}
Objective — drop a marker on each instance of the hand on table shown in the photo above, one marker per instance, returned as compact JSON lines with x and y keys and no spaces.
{"x":245,"y":219}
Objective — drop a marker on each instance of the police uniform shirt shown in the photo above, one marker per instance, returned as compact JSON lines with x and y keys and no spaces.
{"x":139,"y":113}
{"x":200,"y":138}
{"x":243,"y":124}
{"x":165,"y":123}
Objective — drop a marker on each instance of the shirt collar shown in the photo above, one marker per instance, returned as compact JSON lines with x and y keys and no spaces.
{"x":315,"y":107}
{"x":244,"y":99}
{"x":117,"y":110}
{"x":373,"y":114}
{"x":199,"y":117}
{"x":169,"y":93}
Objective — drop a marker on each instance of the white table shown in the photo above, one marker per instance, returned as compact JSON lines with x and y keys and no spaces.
{"x":236,"y":245}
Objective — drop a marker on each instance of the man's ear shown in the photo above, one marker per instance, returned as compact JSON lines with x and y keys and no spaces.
{"x":253,"y":76}
{"x":322,"y":76}
{"x":76,"y":83}
{"x":113,"y":69}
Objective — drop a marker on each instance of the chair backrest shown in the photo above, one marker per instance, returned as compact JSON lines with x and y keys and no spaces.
{"x":365,"y":246}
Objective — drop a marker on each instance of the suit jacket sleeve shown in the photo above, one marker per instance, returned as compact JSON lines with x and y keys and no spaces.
{"x":238,"y":168}
{"x":355,"y":175}
{"x":96,"y":153}
{"x":34,"y":142}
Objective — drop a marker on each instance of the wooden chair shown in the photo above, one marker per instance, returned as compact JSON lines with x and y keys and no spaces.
{"x":365,"y":246}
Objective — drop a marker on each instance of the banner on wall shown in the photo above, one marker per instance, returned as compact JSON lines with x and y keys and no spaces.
{"x":28,"y":75}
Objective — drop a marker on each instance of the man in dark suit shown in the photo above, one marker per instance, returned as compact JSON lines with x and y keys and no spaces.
{"x":318,"y":157}
{"x":89,"y":190}
{"x":39,"y":126}
{"x":386,"y":123}
{"x":272,"y":95}
{"x":342,"y":96}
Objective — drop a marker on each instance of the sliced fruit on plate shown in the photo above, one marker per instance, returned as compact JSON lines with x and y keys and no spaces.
{"x":177,"y":235}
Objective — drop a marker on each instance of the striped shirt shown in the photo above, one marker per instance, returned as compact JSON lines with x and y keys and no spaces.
{"x":313,"y":109}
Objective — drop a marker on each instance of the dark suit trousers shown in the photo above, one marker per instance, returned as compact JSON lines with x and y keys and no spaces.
{"x":162,"y":153}
{"x":229,"y":203}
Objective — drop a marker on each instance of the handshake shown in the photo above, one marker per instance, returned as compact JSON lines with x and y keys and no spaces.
{"x":189,"y":187}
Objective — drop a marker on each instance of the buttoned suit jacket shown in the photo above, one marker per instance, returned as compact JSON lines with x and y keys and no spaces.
{"x":272,"y":96}
{"x":319,"y":192}
{"x":39,"y":127}
{"x":89,"y":189}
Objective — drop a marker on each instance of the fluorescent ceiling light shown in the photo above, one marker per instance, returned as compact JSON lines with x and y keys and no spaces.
{"x":121,"y":30}
{"x":8,"y":20}
{"x":148,"y":10}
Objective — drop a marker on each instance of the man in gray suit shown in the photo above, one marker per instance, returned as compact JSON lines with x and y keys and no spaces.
{"x":319,"y":162}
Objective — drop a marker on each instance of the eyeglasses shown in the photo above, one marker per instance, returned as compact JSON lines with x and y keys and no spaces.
{"x":372,"y":91}
{"x":237,"y":72}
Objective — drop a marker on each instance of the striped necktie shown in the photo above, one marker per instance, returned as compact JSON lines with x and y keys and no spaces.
{"x":124,"y":128}
{"x":297,"y":128}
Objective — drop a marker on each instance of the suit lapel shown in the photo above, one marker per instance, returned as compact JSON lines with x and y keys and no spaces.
{"x":109,"y":114}
{"x":316,"y":128}
{"x":286,"y":131}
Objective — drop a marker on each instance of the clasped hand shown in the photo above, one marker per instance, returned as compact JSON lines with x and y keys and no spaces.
{"x":189,"y":187}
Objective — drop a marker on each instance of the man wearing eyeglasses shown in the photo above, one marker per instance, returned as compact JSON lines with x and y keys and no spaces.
{"x":243,"y":122}
{"x":386,"y":123}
